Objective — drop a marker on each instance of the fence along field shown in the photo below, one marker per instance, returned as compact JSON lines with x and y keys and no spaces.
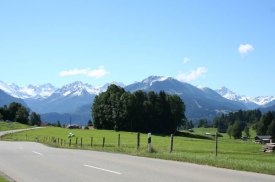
{"x":232,"y":154}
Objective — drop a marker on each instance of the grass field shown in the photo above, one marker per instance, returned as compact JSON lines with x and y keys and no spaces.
{"x":2,"y":179}
{"x":232,"y":154}
{"x":4,"y":126}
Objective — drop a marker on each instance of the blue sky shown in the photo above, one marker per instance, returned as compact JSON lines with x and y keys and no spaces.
{"x":210,"y":43}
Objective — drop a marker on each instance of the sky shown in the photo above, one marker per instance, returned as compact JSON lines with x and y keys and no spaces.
{"x":208,"y":43}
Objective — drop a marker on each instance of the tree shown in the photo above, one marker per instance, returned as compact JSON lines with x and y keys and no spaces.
{"x":221,"y":123}
{"x":188,"y":125}
{"x":229,"y":131}
{"x":119,"y":110}
{"x":22,"y":115}
{"x":203,"y":123}
{"x":262,"y":126}
{"x":58,"y":124}
{"x":177,"y":108}
{"x":35,"y":119}
{"x":246,"y":131}
{"x":90,"y":123}
{"x":246,"y":117}
{"x":12,"y":110}
{"x":237,"y":130}
{"x":271,"y":129}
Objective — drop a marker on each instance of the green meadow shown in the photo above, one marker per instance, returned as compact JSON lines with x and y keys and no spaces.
{"x":195,"y":147}
{"x":2,"y":179}
{"x":4,"y":126}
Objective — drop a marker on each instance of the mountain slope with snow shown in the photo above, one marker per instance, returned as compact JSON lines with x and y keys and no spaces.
{"x":77,"y":98}
{"x":6,"y":99}
{"x":26,"y":92}
{"x":250,"y":102}
{"x":200,"y":103}
{"x":66,"y":99}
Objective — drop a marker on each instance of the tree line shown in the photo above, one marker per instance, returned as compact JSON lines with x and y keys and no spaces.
{"x":235,"y":123}
{"x":119,"y":110}
{"x":16,"y":112}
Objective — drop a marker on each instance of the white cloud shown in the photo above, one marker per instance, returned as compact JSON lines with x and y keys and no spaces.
{"x":245,"y":48}
{"x":193,"y":75}
{"x":100,"y":72}
{"x":186,"y":60}
{"x":73,"y":72}
{"x":97,"y":73}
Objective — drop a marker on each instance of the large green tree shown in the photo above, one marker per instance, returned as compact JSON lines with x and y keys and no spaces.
{"x":236,"y":130}
{"x":139,"y":111}
{"x":35,"y":119}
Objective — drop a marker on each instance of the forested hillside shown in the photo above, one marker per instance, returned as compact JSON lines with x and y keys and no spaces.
{"x":236,"y":122}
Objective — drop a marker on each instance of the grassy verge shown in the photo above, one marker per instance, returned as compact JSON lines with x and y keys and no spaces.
{"x":4,"y":126}
{"x":232,"y":154}
{"x":2,"y":179}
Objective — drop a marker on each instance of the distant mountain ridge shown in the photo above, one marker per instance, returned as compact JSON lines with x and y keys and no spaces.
{"x":30,"y":91}
{"x":75,"y":99}
{"x":200,"y":103}
{"x":249,"y":102}
{"x":6,"y":99}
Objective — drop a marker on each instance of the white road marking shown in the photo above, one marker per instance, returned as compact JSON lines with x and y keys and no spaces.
{"x":106,"y":170}
{"x":37,"y":153}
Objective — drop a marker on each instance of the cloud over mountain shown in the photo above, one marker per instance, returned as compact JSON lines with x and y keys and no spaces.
{"x":97,"y":73}
{"x":193,"y":75}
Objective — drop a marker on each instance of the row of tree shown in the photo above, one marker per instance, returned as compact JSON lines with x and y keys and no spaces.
{"x":18,"y":113}
{"x":266,"y":125}
{"x":235,"y":123}
{"x":138,"y":112}
{"x":203,"y":123}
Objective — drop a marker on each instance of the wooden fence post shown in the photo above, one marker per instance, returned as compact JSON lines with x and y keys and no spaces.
{"x":138,"y":140}
{"x":92,"y":141}
{"x":216,"y":145}
{"x":171,"y":143}
{"x":103,"y":142}
{"x":81,"y":142}
{"x":76,"y":140}
{"x":118,"y":140}
{"x":70,"y":142}
{"x":149,"y":143}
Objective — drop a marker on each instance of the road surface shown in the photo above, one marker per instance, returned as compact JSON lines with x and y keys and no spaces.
{"x":31,"y":162}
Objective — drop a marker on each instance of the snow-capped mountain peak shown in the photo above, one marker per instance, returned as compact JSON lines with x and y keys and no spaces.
{"x":29,"y":91}
{"x":77,"y":88}
{"x":228,"y":94}
{"x":258,"y":101}
{"x":151,"y":79}
{"x":262,"y":100}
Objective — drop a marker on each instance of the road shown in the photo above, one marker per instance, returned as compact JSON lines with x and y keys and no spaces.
{"x":31,"y":162}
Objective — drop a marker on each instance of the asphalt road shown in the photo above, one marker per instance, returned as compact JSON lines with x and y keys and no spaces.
{"x":28,"y":161}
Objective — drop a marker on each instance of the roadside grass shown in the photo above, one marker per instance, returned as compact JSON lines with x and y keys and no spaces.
{"x":232,"y":154}
{"x":2,"y":179}
{"x":5,"y":126}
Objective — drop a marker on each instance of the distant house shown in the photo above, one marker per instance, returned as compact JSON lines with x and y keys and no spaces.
{"x":263,"y":139}
{"x":73,"y":126}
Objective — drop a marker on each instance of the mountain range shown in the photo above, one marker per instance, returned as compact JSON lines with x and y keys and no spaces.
{"x":73,"y":102}
{"x":249,"y":102}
